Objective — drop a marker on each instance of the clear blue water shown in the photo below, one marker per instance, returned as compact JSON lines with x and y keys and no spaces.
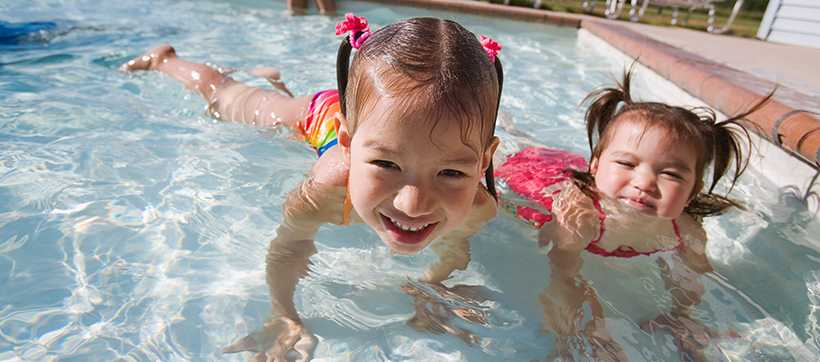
{"x":134,"y":227}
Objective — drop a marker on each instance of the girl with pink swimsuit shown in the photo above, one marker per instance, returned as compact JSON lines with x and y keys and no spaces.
{"x":641,"y":193}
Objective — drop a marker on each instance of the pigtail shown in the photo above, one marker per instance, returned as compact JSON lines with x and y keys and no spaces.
{"x":342,"y":67}
{"x":728,"y":151}
{"x":603,"y":107}
{"x":488,"y":175}
{"x":728,"y":135}
{"x":728,"y":140}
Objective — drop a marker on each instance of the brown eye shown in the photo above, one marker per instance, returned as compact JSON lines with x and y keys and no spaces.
{"x":452,"y":173}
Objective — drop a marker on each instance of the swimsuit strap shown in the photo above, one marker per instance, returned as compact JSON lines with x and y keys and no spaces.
{"x":677,"y":233}
{"x":601,"y":218}
{"x":346,"y":207}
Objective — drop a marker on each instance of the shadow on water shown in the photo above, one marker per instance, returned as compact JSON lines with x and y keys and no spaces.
{"x":61,"y":39}
{"x":34,"y":32}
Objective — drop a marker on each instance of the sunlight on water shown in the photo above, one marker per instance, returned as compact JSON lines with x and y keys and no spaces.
{"x":134,"y":227}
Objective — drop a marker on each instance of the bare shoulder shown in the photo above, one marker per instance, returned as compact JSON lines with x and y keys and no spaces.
{"x":691,"y":229}
{"x":693,"y":249}
{"x":330,"y":169}
{"x":319,"y":198}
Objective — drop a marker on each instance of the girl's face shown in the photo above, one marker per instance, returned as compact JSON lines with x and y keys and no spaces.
{"x":409,"y":181}
{"x":644,"y":170}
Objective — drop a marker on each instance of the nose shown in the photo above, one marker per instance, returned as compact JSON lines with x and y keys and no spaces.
{"x":414,"y":200}
{"x":645,"y":180}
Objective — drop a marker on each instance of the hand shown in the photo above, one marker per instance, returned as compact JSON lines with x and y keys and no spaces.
{"x":273,"y":342}
{"x":575,"y":333}
{"x":435,"y":309}
{"x":604,"y":348}
{"x":690,"y":335}
{"x":601,"y":347}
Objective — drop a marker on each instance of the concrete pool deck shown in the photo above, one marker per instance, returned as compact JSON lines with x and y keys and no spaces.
{"x":728,"y":73}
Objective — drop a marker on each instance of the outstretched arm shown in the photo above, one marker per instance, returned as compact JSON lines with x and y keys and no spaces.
{"x":564,"y":301}
{"x":682,"y":278}
{"x":306,"y":208}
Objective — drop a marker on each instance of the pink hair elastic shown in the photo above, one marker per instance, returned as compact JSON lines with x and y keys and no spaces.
{"x":490,"y":46}
{"x":356,"y":26}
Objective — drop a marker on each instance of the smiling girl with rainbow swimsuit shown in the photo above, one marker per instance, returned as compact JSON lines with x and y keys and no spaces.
{"x":408,"y":180}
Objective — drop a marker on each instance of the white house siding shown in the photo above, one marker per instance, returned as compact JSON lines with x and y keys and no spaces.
{"x":792,"y":22}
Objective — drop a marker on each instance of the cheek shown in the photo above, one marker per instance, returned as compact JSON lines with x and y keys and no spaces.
{"x":678,"y":197}
{"x":459,"y":201}
{"x":609,"y":181}
{"x":369,"y":186}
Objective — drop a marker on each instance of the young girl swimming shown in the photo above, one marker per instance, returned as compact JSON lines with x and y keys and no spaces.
{"x":403,"y":145}
{"x":642,"y":193}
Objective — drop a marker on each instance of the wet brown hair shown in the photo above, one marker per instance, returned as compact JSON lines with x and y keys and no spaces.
{"x":717,"y":143}
{"x":431,"y":66}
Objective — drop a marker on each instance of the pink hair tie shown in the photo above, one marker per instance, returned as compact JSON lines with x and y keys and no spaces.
{"x":356,"y":26}
{"x":490,"y":46}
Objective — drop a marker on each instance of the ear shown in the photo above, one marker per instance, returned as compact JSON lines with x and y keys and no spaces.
{"x":343,"y":135}
{"x":593,"y":166}
{"x":489,"y":151}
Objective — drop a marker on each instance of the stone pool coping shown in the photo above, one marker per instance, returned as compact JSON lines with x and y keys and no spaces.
{"x":728,"y":90}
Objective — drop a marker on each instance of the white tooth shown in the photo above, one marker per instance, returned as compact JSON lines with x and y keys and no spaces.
{"x":405,"y":227}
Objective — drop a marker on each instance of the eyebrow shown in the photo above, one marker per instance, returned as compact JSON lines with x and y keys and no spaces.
{"x":677,"y":163}
{"x":468,"y":160}
{"x":382,"y":148}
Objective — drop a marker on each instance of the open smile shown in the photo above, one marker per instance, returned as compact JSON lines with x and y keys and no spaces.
{"x":407,"y":234}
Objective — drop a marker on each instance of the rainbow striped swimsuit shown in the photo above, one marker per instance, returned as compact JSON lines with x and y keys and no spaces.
{"x":320,"y":123}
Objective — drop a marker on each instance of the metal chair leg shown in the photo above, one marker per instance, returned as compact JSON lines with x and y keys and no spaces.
{"x":613,"y":8}
{"x":636,"y":10}
{"x":674,"y":15}
{"x":712,"y":27}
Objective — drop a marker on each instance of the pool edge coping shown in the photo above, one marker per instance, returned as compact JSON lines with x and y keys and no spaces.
{"x":793,"y":130}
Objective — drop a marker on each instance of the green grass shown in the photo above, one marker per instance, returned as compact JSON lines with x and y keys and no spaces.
{"x":745,"y":24}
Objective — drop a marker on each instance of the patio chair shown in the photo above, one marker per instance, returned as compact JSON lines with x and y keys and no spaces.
{"x":614,"y":8}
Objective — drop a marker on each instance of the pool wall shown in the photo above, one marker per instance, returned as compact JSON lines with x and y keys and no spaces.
{"x":788,"y":138}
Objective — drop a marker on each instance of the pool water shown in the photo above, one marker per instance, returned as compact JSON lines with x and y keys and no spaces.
{"x":134,"y":227}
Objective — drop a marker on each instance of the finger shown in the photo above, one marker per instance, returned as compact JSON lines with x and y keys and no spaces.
{"x":287,"y":338}
{"x":247,"y":343}
{"x":471,"y":315}
{"x":259,"y":357}
{"x":305,"y":346}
